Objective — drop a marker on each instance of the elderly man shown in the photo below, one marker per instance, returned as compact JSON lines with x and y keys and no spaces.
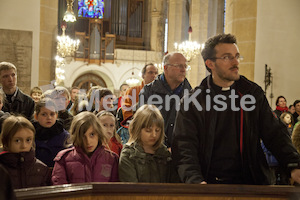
{"x":166,"y":91}
{"x":220,"y":126}
{"x":16,"y":101}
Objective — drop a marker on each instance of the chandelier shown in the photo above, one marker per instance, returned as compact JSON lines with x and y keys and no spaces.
{"x":190,"y":49}
{"x":66,"y":47}
{"x":132,"y":80}
{"x":59,"y":71}
{"x":69,"y":14}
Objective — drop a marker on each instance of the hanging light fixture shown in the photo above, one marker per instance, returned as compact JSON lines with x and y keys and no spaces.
{"x":132,"y":80}
{"x":59,"y":71}
{"x":69,"y":14}
{"x":66,"y":47}
{"x":190,"y":49}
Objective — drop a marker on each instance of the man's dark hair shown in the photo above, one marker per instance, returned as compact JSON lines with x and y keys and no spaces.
{"x":209,"y":51}
{"x":277,"y":100}
{"x":123,"y":85}
{"x":145,"y":68}
{"x":296,"y":102}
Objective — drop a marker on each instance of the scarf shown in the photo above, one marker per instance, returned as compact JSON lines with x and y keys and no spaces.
{"x":285,"y":109}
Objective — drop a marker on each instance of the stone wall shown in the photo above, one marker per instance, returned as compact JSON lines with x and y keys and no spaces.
{"x":16,"y":47}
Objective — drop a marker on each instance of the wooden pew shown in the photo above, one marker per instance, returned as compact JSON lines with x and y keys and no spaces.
{"x":147,"y":191}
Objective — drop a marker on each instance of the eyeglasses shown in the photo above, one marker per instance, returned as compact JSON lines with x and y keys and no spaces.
{"x":181,"y":66}
{"x":229,"y":58}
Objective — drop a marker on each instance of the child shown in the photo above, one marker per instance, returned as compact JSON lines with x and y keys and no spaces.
{"x":288,"y":120}
{"x":18,"y":155}
{"x":61,"y":96}
{"x":88,"y":160}
{"x":50,"y":136}
{"x":145,"y":158}
{"x":108,"y":124}
{"x":36,"y":93}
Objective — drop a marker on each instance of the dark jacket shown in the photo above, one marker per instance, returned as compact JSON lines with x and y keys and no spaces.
{"x":25,"y":170}
{"x":49,"y":141}
{"x":22,"y":104}
{"x":167,"y":107}
{"x":6,"y":189}
{"x":137,"y":166}
{"x":66,"y":118}
{"x":194,"y":137}
{"x":74,"y":166}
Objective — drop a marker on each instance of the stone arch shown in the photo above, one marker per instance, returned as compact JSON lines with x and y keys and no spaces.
{"x":87,"y":80}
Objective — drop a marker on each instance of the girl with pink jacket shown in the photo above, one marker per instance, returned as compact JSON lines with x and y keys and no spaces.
{"x":88,"y":160}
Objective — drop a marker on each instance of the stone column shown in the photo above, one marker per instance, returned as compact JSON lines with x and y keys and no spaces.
{"x":240,"y":20}
{"x":177,"y":23}
{"x":199,"y":19}
{"x":48,"y":33}
{"x":157,"y":25}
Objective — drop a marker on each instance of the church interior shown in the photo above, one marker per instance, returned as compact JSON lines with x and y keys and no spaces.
{"x":86,"y":43}
{"x":113,"y":48}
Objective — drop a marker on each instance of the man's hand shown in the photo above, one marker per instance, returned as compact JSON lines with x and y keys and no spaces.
{"x":295,"y":174}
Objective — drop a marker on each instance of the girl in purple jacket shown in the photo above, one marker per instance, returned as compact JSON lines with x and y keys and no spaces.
{"x":88,"y":160}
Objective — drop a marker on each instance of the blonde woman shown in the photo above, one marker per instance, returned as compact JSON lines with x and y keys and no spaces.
{"x":145,"y":158}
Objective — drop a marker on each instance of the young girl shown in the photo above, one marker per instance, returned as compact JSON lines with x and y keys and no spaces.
{"x":88,"y":160}
{"x":50,"y":136}
{"x":287,"y":119}
{"x":18,"y":155}
{"x":108,"y":124}
{"x":145,"y":158}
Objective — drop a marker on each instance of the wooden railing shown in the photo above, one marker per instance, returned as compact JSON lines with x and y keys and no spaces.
{"x":133,"y":191}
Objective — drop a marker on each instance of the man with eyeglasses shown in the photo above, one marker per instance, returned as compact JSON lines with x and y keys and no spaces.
{"x":166,"y":91}
{"x":216,"y":138}
{"x":131,"y":98}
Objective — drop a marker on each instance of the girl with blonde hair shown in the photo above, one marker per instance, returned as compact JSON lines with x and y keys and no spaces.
{"x":108,"y":124}
{"x":88,"y":160}
{"x":145,"y":158}
{"x":18,"y":155}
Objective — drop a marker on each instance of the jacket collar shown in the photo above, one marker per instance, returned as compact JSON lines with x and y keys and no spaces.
{"x":243,"y":84}
{"x":140,"y":153}
{"x":16,"y":96}
{"x":18,"y":159}
{"x":160,"y":85}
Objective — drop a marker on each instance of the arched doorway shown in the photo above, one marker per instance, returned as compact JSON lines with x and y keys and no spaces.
{"x":86,"y":81}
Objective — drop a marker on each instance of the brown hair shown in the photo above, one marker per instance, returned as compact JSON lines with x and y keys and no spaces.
{"x":11,"y":126}
{"x":145,"y":68}
{"x":44,"y":102}
{"x":7,"y":66}
{"x":107,"y":113}
{"x":36,"y":90}
{"x":209,"y":51}
{"x":81,"y":123}
{"x":284,"y":114}
{"x":145,"y":117}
